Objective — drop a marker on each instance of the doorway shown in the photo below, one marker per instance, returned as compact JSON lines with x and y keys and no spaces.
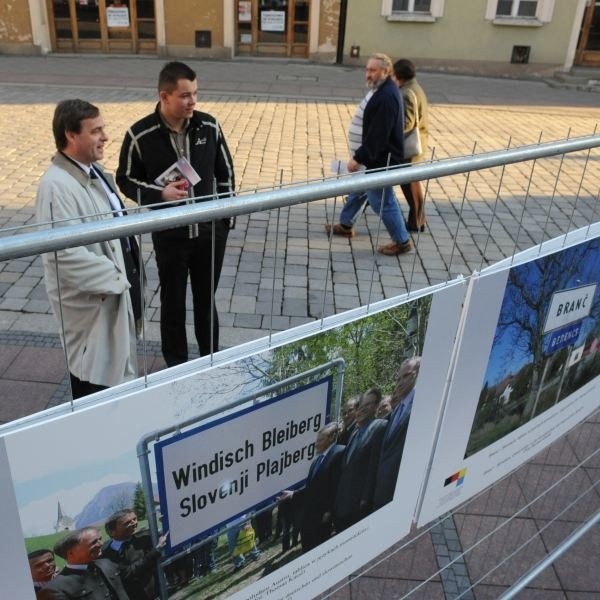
{"x":107,"y":26}
{"x":588,"y":48}
{"x":272,"y":28}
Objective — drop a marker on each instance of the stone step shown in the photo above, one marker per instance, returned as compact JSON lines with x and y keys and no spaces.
{"x":578,"y":78}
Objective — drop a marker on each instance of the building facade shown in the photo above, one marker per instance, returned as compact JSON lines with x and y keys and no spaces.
{"x":305,"y":29}
{"x":502,"y":37}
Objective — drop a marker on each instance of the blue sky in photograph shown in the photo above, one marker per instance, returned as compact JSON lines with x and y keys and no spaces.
{"x":507,"y":357}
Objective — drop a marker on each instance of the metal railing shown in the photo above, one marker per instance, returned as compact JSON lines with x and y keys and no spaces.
{"x":39,"y":242}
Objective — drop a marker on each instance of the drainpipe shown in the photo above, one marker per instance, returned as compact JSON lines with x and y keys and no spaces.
{"x":339,"y":57}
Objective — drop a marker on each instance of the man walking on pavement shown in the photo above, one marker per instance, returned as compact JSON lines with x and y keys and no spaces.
{"x":174,"y":135}
{"x":382,"y":146}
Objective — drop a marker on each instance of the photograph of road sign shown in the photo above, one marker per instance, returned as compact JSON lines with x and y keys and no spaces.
{"x":526,"y":371}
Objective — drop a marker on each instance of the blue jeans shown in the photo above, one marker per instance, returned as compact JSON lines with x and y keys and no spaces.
{"x":351,"y":210}
{"x":390,"y":215}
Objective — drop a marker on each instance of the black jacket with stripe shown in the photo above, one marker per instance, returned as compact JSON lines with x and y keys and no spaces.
{"x":148,"y":150}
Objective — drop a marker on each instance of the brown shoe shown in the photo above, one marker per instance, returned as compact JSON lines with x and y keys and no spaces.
{"x":339,"y":229}
{"x":395,"y":248}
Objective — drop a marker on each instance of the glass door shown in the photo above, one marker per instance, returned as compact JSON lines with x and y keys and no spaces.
{"x":87,"y":21}
{"x":119,"y":26}
{"x":588,"y":49}
{"x":300,"y":28}
{"x":272,"y":28}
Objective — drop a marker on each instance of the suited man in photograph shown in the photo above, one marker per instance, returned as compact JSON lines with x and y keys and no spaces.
{"x":85,"y":575}
{"x":316,"y":499}
{"x":390,"y":456}
{"x":134,"y":553}
{"x":354,"y":496}
{"x":348,"y":420}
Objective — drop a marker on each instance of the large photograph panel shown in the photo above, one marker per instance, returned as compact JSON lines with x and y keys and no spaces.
{"x":291,"y":537}
{"x":526,"y":371}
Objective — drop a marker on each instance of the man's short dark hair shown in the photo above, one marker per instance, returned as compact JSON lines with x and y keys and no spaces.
{"x":111,"y":522}
{"x":68,"y":115}
{"x":70,"y":541}
{"x":404,"y":69}
{"x":39,"y":552}
{"x":171,"y":73}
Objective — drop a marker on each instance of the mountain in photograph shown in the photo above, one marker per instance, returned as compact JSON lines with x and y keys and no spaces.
{"x":105,"y":502}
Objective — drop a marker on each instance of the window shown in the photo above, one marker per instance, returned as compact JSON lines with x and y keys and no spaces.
{"x":516,"y":8}
{"x":519,"y":12}
{"x":423,"y":6}
{"x":412,"y":10}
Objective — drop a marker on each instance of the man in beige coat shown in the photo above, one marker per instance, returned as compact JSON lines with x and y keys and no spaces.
{"x":89,"y":287}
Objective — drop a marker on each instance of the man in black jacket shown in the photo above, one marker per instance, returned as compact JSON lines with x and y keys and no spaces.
{"x":176,"y":132}
{"x":133,"y":552}
{"x":316,"y":499}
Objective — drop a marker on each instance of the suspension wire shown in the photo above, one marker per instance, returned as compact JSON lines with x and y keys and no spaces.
{"x":329,"y":254}
{"x":142,"y":297}
{"x":595,"y":204}
{"x":556,"y":553}
{"x":275,"y":262}
{"x":460,"y":216}
{"x":495,"y":209}
{"x":377,"y":232}
{"x":462,"y":507}
{"x":505,"y":523}
{"x":213,"y":248}
{"x":545,"y":235}
{"x":583,"y":173}
{"x":520,"y":221}
{"x":61,"y":316}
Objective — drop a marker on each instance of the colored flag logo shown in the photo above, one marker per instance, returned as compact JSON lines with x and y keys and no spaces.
{"x":459,"y":477}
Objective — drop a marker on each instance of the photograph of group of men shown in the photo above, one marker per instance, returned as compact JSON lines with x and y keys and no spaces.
{"x":122,"y":568}
{"x":352,"y":474}
{"x":356,"y":467}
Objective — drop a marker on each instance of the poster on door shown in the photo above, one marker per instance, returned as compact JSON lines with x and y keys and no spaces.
{"x":117,"y":16}
{"x":272,"y":20}
{"x":244,"y":11}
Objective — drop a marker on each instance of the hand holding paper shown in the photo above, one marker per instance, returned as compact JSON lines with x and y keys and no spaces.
{"x":340,"y":167}
{"x":175,"y":190}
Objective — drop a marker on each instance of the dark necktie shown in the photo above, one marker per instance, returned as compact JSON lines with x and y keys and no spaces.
{"x":395,"y":422}
{"x":316,"y":465}
{"x":130,"y":254}
{"x":354,"y":442}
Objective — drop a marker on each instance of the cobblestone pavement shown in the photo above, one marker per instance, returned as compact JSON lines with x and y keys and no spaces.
{"x":284,"y":122}
{"x":282,"y":125}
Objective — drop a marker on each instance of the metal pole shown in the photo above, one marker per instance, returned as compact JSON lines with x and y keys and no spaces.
{"x":520,"y":584}
{"x":70,"y":236}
